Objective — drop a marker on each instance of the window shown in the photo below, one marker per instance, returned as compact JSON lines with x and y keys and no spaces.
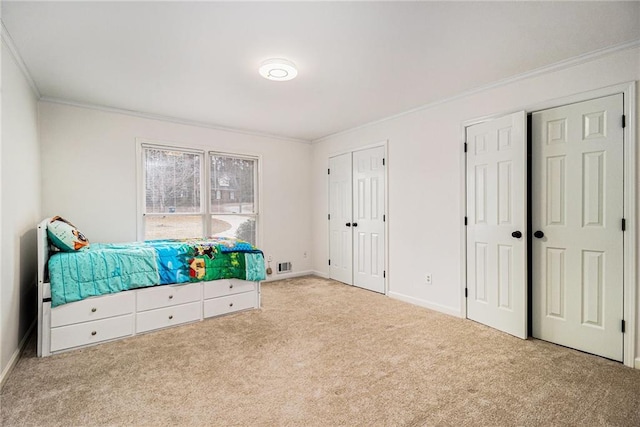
{"x":183,"y":199}
{"x":233,"y":214}
{"x":172,"y":183}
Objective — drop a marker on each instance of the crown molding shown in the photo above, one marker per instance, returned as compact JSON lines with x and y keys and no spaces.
{"x":567,"y":63}
{"x":169,"y":119}
{"x":571,"y":62}
{"x":8,"y":41}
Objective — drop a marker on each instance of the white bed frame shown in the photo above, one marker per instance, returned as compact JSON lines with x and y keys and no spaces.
{"x":111,"y":317}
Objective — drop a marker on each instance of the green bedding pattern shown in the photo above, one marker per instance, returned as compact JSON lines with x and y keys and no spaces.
{"x":109,"y":268}
{"x":227,"y":265}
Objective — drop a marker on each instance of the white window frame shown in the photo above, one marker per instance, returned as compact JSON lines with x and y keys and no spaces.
{"x":142,"y":214}
{"x":256,"y":189}
{"x":205,"y":190}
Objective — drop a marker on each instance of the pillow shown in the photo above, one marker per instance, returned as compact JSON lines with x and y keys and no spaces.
{"x":65,"y":236}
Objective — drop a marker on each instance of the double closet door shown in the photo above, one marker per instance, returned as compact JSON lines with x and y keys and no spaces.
{"x":576,"y":248}
{"x":356,"y":218}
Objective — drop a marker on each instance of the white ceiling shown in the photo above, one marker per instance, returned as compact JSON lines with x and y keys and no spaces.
{"x":358,"y":61}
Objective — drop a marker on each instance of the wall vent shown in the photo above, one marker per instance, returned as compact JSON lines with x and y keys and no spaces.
{"x":284,"y":267}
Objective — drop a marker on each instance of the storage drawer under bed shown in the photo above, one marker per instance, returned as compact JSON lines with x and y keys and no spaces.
{"x":168,"y":316}
{"x":229,"y":304}
{"x":93,"y":309}
{"x":167,"y":295}
{"x":224,"y":287}
{"x":85,"y":333}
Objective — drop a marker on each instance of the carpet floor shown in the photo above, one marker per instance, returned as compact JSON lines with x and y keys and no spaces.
{"x":320,"y":353}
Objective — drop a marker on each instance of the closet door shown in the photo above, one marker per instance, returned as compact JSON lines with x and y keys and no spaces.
{"x":496,"y":230}
{"x":577,"y":162}
{"x":357,"y":218}
{"x":368,"y":220}
{"x":340,"y":218}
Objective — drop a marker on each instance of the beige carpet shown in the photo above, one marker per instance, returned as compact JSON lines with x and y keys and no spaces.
{"x":321,"y":353}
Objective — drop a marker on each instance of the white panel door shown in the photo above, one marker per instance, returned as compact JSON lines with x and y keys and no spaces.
{"x":577,"y":163}
{"x":496,"y":228}
{"x":340,"y":218}
{"x":368,"y":221}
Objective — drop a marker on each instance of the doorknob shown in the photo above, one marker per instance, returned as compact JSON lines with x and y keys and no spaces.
{"x":348,"y":224}
{"x":539,"y":234}
{"x":516,"y":234}
{"x":355,"y":224}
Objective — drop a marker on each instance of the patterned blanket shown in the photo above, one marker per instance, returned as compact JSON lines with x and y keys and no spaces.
{"x":114,"y":267}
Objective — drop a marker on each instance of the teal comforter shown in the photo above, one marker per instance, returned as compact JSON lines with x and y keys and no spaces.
{"x":109,"y":268}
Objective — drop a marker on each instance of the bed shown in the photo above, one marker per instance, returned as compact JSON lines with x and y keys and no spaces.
{"x":142,"y":289}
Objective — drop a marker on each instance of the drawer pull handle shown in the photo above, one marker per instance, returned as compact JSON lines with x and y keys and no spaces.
{"x":170,"y":296}
{"x":231,"y":305}
{"x":230,"y":286}
{"x":171,"y":317}
{"x":93,"y":310}
{"x":93,"y":333}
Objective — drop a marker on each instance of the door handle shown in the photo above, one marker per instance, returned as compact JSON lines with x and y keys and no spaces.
{"x":516,"y":234}
{"x":348,"y":224}
{"x":355,"y":224}
{"x":539,"y":234}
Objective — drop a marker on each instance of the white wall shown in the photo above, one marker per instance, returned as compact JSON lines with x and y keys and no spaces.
{"x":20,"y":204}
{"x":425,"y":175}
{"x":2,"y":366}
{"x":89,"y":165}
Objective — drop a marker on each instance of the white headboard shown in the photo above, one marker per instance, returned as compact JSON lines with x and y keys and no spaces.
{"x":43,"y":251}
{"x":44,"y":290}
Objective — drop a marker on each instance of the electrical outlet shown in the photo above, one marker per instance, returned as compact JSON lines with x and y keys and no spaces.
{"x":428,"y":279}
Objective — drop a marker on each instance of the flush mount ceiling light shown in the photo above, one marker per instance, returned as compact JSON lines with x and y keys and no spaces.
{"x":279,"y":70}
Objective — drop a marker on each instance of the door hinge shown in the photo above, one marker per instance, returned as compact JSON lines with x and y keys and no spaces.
{"x":328,"y":171}
{"x":466,"y":292}
{"x":623,"y":326}
{"x":329,"y":262}
{"x":384,"y":274}
{"x":465,"y":220}
{"x":383,"y":159}
{"x":328,"y":216}
{"x":465,"y":147}
{"x":384,"y":218}
{"x":624,"y":121}
{"x":624,"y":224}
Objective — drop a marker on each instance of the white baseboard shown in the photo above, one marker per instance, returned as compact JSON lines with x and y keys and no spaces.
{"x":636,"y":363}
{"x":426,"y":304}
{"x":320,"y":274}
{"x":16,"y":355}
{"x":275,"y":276}
{"x":411,"y":300}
